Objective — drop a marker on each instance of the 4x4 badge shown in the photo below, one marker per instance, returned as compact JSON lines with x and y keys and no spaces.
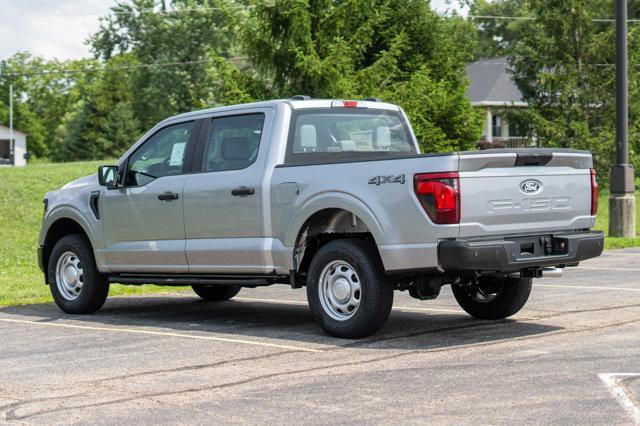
{"x":381,"y":180}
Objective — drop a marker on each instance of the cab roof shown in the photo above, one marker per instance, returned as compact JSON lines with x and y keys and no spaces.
{"x":294,"y":104}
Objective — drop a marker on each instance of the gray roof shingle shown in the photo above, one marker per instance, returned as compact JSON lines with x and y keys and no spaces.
{"x":491,"y":83}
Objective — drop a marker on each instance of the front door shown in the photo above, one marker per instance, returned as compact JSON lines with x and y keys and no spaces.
{"x":222,"y":203}
{"x":143,"y":221}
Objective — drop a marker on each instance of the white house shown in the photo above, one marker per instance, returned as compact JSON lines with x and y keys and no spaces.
{"x":12,"y":153}
{"x":494,"y":90}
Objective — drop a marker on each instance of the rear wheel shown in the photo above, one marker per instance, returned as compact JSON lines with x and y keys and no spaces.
{"x":216,"y":293}
{"x":347,"y":290}
{"x":75,"y":283}
{"x":493,"y":298}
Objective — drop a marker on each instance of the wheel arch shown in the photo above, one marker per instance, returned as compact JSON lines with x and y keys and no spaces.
{"x":333,"y":200}
{"x":328,"y":223}
{"x":58,"y":229}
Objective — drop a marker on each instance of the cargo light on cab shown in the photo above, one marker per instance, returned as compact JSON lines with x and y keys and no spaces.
{"x":347,"y":104}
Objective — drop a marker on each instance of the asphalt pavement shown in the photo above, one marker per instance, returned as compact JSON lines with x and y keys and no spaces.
{"x":572,"y":355}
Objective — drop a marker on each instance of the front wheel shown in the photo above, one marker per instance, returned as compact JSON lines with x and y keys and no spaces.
{"x":491,"y":297}
{"x":76,"y":284}
{"x":347,"y":290}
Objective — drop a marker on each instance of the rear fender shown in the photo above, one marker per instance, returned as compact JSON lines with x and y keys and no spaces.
{"x":334,"y":200}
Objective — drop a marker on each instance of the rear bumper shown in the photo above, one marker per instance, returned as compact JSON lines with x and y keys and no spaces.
{"x":506,"y":254}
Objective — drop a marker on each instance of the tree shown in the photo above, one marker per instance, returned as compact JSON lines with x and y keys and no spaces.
{"x":567,"y":76}
{"x":41,"y":95}
{"x":196,"y":32}
{"x":501,"y":25}
{"x":157,"y":61}
{"x":497,"y":37}
{"x":399,"y":50}
{"x":102,"y":124}
{"x":564,"y":62}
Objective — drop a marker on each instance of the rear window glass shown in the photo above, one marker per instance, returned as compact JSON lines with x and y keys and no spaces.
{"x":325,"y":135}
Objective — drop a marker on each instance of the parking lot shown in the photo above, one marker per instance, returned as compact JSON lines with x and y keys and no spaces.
{"x":568,"y":357}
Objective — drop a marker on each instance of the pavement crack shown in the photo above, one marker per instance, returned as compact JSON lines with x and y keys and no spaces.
{"x":582,"y":311}
{"x":187,"y":368}
{"x":11,"y":414}
{"x":479,"y":323}
{"x":365,"y":342}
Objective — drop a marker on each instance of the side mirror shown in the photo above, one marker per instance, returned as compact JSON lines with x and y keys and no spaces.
{"x":108,"y":176}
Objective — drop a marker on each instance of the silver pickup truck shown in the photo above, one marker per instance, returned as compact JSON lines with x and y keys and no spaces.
{"x":328,"y":194}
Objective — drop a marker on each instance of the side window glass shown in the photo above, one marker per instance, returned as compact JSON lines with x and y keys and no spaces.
{"x":162,"y":155}
{"x":233,"y":142}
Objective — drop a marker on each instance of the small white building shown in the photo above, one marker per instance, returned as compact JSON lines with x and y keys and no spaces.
{"x":12,"y":152}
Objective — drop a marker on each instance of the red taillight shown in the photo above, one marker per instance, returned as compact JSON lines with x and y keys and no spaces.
{"x":594,"y":193}
{"x":439,"y":194}
{"x":350,"y":104}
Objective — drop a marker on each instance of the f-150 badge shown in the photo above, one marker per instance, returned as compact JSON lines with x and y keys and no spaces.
{"x":381,"y":180}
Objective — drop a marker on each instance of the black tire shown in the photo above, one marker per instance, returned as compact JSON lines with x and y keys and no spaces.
{"x":94,"y":287}
{"x":375,"y":296}
{"x":503,"y":297}
{"x":216,"y":293}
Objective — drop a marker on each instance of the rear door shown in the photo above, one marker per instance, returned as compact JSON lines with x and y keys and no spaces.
{"x":524,"y":192}
{"x":222,"y":202}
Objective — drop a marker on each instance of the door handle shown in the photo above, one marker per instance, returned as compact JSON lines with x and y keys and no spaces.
{"x":242,"y":190}
{"x":168,"y":196}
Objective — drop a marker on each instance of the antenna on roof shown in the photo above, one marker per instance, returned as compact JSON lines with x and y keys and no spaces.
{"x":300,"y":97}
{"x":373,"y":99}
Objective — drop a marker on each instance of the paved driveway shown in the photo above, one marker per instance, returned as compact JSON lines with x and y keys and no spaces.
{"x":568,"y":357}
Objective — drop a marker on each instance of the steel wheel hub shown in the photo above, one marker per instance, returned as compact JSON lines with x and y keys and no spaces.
{"x":69,"y":275}
{"x":342,"y":290}
{"x":339,"y":290}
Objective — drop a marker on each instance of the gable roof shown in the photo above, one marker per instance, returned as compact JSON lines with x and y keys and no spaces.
{"x":14,"y":130}
{"x":492,"y":84}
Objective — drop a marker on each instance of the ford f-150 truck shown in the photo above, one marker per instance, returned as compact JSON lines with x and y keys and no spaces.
{"x":330,"y":195}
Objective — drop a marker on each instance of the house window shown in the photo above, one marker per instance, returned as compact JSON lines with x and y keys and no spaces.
{"x":517,"y":128}
{"x":496,"y":126}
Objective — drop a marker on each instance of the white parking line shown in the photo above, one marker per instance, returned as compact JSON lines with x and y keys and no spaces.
{"x":587,"y":287}
{"x":162,"y":333}
{"x":612,"y":381}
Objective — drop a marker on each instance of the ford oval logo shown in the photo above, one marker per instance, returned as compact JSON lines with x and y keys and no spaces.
{"x":530,"y":186}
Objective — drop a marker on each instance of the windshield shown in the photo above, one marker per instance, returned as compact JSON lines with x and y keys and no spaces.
{"x":343,"y":134}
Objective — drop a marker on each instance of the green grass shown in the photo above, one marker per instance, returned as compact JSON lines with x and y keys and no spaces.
{"x":602,"y":223}
{"x":21,"y":192}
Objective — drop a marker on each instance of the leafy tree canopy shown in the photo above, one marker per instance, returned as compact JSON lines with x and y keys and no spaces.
{"x":168,"y":57}
{"x":564,"y":62}
{"x":398,"y":50}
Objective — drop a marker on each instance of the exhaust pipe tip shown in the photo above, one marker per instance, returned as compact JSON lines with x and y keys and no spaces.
{"x":551,"y":272}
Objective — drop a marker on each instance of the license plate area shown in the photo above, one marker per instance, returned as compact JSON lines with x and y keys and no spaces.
{"x":527,"y":248}
{"x":540,"y":246}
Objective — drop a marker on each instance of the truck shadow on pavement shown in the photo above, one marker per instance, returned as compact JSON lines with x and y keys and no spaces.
{"x":285,"y":323}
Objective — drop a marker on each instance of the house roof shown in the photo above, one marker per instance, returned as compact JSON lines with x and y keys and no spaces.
{"x":14,"y":130}
{"x":492,"y":84}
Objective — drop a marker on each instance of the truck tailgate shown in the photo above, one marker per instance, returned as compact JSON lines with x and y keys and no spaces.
{"x":525,"y":191}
